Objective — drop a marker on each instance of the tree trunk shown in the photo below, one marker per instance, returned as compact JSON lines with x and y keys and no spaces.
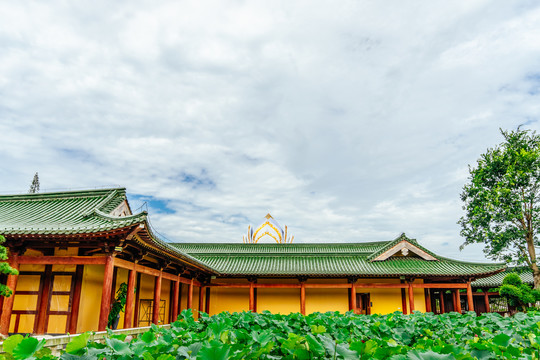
{"x":532,"y":257}
{"x":536,"y":275}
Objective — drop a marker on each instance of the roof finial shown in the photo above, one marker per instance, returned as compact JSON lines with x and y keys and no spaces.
{"x":268,"y":216}
{"x":34,"y":188}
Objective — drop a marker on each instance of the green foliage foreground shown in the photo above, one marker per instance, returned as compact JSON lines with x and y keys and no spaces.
{"x":316,"y":336}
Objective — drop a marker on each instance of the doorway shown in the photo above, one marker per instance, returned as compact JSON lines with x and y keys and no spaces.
{"x":363,"y":303}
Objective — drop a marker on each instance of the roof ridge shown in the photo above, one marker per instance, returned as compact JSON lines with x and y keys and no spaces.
{"x":59,"y":194}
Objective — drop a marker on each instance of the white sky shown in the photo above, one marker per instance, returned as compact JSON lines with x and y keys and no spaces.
{"x":348,"y":121}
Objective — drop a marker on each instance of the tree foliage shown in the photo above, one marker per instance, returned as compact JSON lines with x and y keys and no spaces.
{"x":501,"y":201}
{"x":5,"y":268}
{"x":517,"y":293}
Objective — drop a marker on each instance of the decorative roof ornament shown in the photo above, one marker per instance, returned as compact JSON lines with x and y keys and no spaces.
{"x":268,"y":230}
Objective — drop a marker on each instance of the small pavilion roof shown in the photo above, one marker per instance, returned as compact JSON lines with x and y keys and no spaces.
{"x":70,"y":213}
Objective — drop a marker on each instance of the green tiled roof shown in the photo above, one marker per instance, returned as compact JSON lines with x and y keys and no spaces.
{"x":70,"y":212}
{"x":352,"y":259}
{"x":77,"y":212}
{"x":497,"y":279}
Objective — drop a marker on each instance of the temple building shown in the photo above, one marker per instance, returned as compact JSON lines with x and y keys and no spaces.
{"x":74,"y":249}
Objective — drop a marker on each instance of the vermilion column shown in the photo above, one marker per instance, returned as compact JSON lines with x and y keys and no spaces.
{"x":303,"y":298}
{"x":458,"y":301}
{"x":190,"y":295}
{"x":427,"y":295}
{"x":486,"y":302}
{"x":251,"y":296}
{"x":176,"y":291}
{"x":441,"y":295}
{"x":353,"y":298}
{"x":201,"y":298}
{"x":106,"y":293}
{"x":470,"y":296}
{"x":157,"y":298}
{"x":7,"y":306}
{"x":411,"y":297}
{"x":128,"y":318}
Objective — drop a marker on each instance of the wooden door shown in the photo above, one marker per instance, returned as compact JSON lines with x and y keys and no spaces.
{"x":363,"y":303}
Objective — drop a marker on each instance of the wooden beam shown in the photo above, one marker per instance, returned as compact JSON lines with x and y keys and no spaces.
{"x":152,"y":272}
{"x":41,"y":318}
{"x":251,"y":296}
{"x":174,"y":305}
{"x":470,"y":296}
{"x":79,"y":272}
{"x":63,"y":260}
{"x":411,"y":297}
{"x":157,"y":298}
{"x":207,"y":301}
{"x":106,"y":293}
{"x":427,"y":296}
{"x":128,"y":317}
{"x":441,"y":286}
{"x":7,"y":306}
{"x":327,"y":286}
{"x":303,"y":298}
{"x":190,"y":295}
{"x":486,"y":302}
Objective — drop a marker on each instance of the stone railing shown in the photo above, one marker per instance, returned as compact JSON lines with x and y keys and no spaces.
{"x":59,"y":342}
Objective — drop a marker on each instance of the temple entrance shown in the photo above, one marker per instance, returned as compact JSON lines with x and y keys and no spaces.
{"x":363,"y":303}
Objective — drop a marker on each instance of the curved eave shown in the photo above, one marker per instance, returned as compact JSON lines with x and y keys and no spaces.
{"x":152,"y":242}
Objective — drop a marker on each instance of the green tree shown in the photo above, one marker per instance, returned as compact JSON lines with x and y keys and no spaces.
{"x":5,"y":268}
{"x":517,"y":293}
{"x":502,"y":201}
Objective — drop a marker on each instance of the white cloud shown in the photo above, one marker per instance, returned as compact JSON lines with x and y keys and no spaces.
{"x":349,"y":121}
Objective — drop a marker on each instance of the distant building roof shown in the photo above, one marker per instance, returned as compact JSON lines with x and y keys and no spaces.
{"x":335,"y":259}
{"x":497,"y":279}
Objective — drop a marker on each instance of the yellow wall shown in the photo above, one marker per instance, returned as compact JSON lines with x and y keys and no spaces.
{"x":323,"y":300}
{"x":228,"y":299}
{"x":285,"y":301}
{"x":90,"y":303}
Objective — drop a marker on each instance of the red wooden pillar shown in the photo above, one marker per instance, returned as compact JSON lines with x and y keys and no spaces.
{"x":207,"y":303}
{"x":157,"y":298}
{"x":353,"y":298}
{"x":404,"y":300}
{"x":427,"y":296}
{"x":128,"y":317}
{"x":137,"y":298}
{"x":190,"y":295}
{"x":76,"y":299}
{"x":252,"y":296}
{"x":176,"y":291}
{"x":470,"y":296}
{"x":303,"y":298}
{"x":7,"y":306}
{"x":454,"y":302}
{"x":486,"y":302}
{"x":201,"y":298}
{"x":458,"y":302}
{"x":411,"y":297}
{"x":441,"y":295}
{"x":106,"y":293}
{"x":41,"y":318}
